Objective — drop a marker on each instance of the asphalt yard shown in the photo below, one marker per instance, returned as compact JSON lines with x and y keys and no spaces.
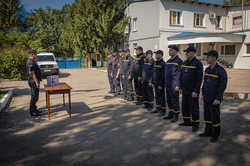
{"x":106,"y":130}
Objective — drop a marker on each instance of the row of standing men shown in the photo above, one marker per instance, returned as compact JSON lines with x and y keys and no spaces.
{"x":155,"y":82}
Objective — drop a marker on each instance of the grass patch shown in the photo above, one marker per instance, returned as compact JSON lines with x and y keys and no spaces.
{"x":102,"y":68}
{"x":2,"y":93}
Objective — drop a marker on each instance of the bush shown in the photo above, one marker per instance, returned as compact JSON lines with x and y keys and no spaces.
{"x":13,"y":64}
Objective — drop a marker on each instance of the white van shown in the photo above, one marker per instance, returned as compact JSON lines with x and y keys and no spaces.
{"x":47,"y":63}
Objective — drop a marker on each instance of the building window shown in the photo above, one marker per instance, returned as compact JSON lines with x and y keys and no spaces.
{"x":175,"y":18}
{"x":248,"y":48}
{"x":134,"y":24}
{"x":237,"y":20}
{"x":199,"y":20}
{"x":134,"y":48}
{"x":228,"y":50}
{"x":219,"y":22}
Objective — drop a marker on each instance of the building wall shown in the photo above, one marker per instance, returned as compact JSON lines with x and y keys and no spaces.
{"x":243,"y":59}
{"x":234,"y":12}
{"x":147,"y":24}
{"x":188,"y":11}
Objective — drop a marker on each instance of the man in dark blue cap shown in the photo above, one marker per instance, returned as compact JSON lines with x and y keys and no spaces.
{"x":116,"y":74}
{"x":172,"y":83}
{"x":126,"y":65}
{"x":34,"y":79}
{"x":214,"y":85}
{"x":122,"y":57}
{"x":190,"y":83}
{"x":110,"y":78}
{"x":158,"y":82}
{"x":147,"y":75}
{"x":136,"y":74}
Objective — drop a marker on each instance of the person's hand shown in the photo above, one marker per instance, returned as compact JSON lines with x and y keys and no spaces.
{"x":180,"y":91}
{"x":216,"y":102}
{"x":194,"y":95}
{"x":111,"y":75}
{"x":37,"y":85}
{"x":129,"y":77}
{"x":123,"y":76}
{"x":139,"y":78}
{"x":153,"y":86}
{"x":177,"y":89}
{"x":117,"y":76}
{"x":159,"y":87}
{"x":150,"y":84}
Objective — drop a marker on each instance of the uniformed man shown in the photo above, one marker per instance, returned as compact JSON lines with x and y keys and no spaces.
{"x":215,"y":83}
{"x":34,"y":78}
{"x":116,"y":74}
{"x":136,"y":74}
{"x":110,"y":60}
{"x":158,"y":82}
{"x":147,"y":75}
{"x":122,"y":74}
{"x":191,"y":79}
{"x":127,"y":63}
{"x":172,"y":83}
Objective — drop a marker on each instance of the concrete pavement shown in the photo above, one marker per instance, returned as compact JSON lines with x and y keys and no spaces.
{"x":105,"y":130}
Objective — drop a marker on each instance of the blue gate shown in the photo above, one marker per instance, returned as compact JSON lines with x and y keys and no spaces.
{"x":69,"y":62}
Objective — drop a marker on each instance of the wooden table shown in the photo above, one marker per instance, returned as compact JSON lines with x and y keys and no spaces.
{"x":62,"y":88}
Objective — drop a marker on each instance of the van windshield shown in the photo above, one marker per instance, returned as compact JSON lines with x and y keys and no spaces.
{"x":45,"y":58}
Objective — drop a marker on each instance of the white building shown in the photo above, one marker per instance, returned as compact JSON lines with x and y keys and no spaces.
{"x":155,"y":24}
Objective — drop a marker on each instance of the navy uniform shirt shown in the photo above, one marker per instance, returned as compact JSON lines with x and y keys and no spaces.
{"x":125,"y":65}
{"x":147,"y":70}
{"x":137,"y":65}
{"x":110,"y":60}
{"x":173,"y":72}
{"x":32,"y":66}
{"x":215,"y":83}
{"x":191,"y":76}
{"x":115,"y":66}
{"x":158,"y":73}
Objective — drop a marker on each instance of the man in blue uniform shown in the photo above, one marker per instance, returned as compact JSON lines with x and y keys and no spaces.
{"x":122,"y":74}
{"x":147,"y":75}
{"x":116,"y":74}
{"x":34,"y":78}
{"x":127,"y":63}
{"x":172,"y":83}
{"x":190,"y":83}
{"x":215,"y":83}
{"x":158,"y":82}
{"x":110,"y":60}
{"x":136,"y":74}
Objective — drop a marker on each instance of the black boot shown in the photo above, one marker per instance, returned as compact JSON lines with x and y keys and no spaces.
{"x":207,"y":132}
{"x":186,"y":123}
{"x":162,"y":113}
{"x":170,"y":116}
{"x":34,"y":113}
{"x":195,"y":128}
{"x":215,"y":134}
{"x":175,"y":118}
{"x":155,"y":111}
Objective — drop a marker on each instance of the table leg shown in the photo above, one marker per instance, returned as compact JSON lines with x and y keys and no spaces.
{"x":69,"y":105}
{"x":63,"y":99}
{"x":48,"y":106}
{"x":46,"y":99}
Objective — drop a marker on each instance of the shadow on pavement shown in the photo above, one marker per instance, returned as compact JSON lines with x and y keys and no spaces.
{"x":119,"y":134}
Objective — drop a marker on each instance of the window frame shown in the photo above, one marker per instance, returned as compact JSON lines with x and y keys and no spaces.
{"x":134,"y":24}
{"x":176,"y":19}
{"x":223,"y":51}
{"x":203,"y":20}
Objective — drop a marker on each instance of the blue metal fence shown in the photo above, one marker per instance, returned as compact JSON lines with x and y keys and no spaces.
{"x":69,"y":62}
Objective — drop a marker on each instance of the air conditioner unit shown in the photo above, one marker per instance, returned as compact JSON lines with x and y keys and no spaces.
{"x":212,"y":15}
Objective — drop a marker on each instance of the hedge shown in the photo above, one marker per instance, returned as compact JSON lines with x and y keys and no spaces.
{"x":13,"y":64}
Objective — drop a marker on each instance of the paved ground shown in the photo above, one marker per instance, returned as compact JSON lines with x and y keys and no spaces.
{"x":105,"y":130}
